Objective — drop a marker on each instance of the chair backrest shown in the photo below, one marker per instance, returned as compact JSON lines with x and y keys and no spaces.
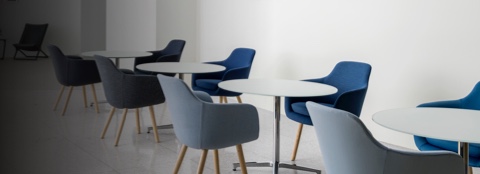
{"x":472,"y":100}
{"x":348,"y":76}
{"x":240,"y":57}
{"x":185,"y":108}
{"x":174,"y":47}
{"x":33,"y":34}
{"x":60,"y":64}
{"x":346,"y":144}
{"x":128,"y":90}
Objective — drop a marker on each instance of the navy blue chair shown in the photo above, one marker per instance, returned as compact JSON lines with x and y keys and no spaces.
{"x":73,"y":71}
{"x":237,"y":66}
{"x":351,"y":80}
{"x":471,"y":101}
{"x":171,"y":53}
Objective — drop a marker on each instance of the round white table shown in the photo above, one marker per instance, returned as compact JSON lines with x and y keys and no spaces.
{"x":443,"y":123}
{"x":117,"y":54}
{"x":277,"y":88}
{"x":180,"y":67}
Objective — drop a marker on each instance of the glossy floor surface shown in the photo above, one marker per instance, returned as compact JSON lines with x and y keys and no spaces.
{"x":38,"y":140}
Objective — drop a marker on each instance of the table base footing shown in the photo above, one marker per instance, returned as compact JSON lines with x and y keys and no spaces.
{"x":280,"y":165}
{"x":167,"y":126}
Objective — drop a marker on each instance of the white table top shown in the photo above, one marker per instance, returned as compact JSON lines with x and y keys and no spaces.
{"x":278,"y":87}
{"x":180,"y":67}
{"x":117,"y":54}
{"x":443,"y":123}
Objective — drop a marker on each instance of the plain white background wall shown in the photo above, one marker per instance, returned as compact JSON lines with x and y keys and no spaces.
{"x":420,"y":51}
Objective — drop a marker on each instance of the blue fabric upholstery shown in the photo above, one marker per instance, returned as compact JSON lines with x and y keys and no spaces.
{"x":351,"y":80}
{"x":237,"y":65}
{"x":471,"y":101}
{"x":171,"y":53}
{"x":348,"y":147}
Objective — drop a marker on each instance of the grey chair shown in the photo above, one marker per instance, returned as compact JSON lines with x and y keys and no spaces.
{"x":128,"y":91}
{"x":73,"y":71}
{"x":347,"y":146}
{"x":201,"y":124}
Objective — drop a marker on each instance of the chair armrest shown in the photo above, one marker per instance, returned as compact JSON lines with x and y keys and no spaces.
{"x":203,"y":96}
{"x":236,"y":73}
{"x":438,"y":162}
{"x":443,"y":104}
{"x":229,"y":124}
{"x":351,"y":101}
{"x":317,"y":80}
{"x":74,"y":57}
{"x":169,"y":58}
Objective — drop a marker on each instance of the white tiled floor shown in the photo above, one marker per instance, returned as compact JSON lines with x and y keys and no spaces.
{"x":38,"y":140}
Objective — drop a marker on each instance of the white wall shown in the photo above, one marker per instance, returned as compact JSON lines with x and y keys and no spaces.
{"x":131,"y":25}
{"x":420,"y":51}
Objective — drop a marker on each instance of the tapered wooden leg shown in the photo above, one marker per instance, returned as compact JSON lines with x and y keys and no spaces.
{"x":95,"y":101}
{"x":68,"y":99}
{"x":297,"y":141}
{"x":201,"y":163}
{"x":239,"y":99}
{"x":137,"y":116}
{"x":84,"y":96}
{"x":108,"y":123}
{"x":241,"y":159}
{"x":154,"y":124}
{"x":59,"y":97}
{"x":221,"y":99}
{"x":180,"y":159}
{"x":470,"y":170}
{"x":121,"y":126}
{"x":216,"y":161}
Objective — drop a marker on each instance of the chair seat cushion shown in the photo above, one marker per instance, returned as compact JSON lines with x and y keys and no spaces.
{"x":25,"y":46}
{"x":211,"y":84}
{"x":301,"y":108}
{"x":474,"y":149}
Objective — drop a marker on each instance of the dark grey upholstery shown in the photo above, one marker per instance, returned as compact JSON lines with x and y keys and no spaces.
{"x":128,"y":91}
{"x":31,"y":40}
{"x":347,"y":146}
{"x":73,"y":71}
{"x":201,"y":124}
{"x":171,"y":53}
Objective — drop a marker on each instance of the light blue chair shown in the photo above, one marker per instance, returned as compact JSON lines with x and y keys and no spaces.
{"x":350,"y":78}
{"x":237,"y":65}
{"x":201,"y":124}
{"x":347,"y":146}
{"x":471,"y":101}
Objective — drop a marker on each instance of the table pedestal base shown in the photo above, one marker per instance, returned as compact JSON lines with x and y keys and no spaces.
{"x":167,"y":126}
{"x":280,"y":165}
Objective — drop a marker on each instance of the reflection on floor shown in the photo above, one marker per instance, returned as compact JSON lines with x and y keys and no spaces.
{"x":36,"y":139}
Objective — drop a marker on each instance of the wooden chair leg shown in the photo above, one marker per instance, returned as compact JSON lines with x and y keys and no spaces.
{"x":239,"y":99}
{"x":154,"y":124}
{"x":84,"y":96}
{"x":201,"y":163}
{"x":470,"y":170}
{"x":297,"y":141}
{"x":225,"y":99}
{"x":241,"y":159}
{"x":180,"y":159}
{"x":216,"y":161}
{"x":95,"y":101}
{"x":137,"y":117}
{"x":59,"y":96}
{"x":68,"y":99}
{"x":121,"y":126}
{"x":220,"y":98}
{"x":108,"y":123}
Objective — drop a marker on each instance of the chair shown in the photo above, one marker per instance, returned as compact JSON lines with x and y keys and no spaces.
{"x":471,"y":101}
{"x":31,"y":40}
{"x":237,"y":65}
{"x":201,"y":124}
{"x":347,"y":146}
{"x":128,"y":91}
{"x":351,"y":80}
{"x":73,"y":71}
{"x":171,"y":53}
